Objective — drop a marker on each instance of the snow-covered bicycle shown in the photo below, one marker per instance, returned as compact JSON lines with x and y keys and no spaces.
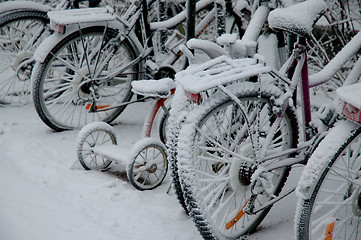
{"x":94,"y":55}
{"x":329,"y":188}
{"x":236,"y":148}
{"x":146,"y":163}
{"x":23,"y":25}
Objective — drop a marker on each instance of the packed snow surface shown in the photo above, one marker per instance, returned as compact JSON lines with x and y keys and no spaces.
{"x":46,"y":194}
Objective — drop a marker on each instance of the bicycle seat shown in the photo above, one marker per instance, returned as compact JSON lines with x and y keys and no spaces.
{"x":299,"y":18}
{"x":154,"y":88}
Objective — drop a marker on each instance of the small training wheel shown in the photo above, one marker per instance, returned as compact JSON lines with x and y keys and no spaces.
{"x":90,"y":136}
{"x":148,"y":164}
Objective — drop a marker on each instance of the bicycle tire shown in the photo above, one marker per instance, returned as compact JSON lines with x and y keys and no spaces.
{"x":148,"y":165}
{"x":92,"y":135}
{"x":21,"y":31}
{"x":162,"y":128}
{"x":215,"y":182}
{"x":179,"y":108}
{"x":327,"y":213}
{"x":57,"y":81}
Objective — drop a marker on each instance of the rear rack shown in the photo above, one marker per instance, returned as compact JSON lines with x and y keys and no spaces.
{"x":66,"y":17}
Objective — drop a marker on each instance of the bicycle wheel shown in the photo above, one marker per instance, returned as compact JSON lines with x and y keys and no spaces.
{"x":333,"y":210}
{"x":180,"y":107}
{"x":65,"y":85}
{"x":215,"y":180}
{"x":90,"y":136}
{"x":163,"y":123}
{"x":21,"y":31}
{"x":149,"y":165}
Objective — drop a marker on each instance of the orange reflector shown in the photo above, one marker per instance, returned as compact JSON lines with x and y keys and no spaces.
{"x":236,"y":218}
{"x":329,"y":231}
{"x":87,"y":107}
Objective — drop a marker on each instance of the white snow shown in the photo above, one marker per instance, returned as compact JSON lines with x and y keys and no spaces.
{"x":65,"y":17}
{"x":315,"y":165}
{"x":350,"y":94}
{"x":337,"y":62}
{"x":218,"y":71}
{"x":298,"y":18}
{"x":46,"y":194}
{"x":10,"y":5}
{"x":157,"y":88}
{"x":212,"y":49}
{"x":141,"y":144}
{"x":256,"y":24}
{"x":174,"y":21}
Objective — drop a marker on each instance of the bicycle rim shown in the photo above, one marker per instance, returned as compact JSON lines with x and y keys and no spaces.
{"x":216,"y":183}
{"x":20,"y":34}
{"x":61,"y":98}
{"x":334,"y":209}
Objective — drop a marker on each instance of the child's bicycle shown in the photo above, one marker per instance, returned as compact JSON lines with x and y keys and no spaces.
{"x":238,"y":145}
{"x":146,"y":163}
{"x":329,"y":189}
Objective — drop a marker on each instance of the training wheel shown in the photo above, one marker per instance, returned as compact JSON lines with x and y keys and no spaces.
{"x":148,"y":164}
{"x":90,"y":136}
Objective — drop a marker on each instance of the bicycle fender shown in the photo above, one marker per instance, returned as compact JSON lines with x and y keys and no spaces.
{"x":23,"y":5}
{"x":320,"y":158}
{"x":50,"y":42}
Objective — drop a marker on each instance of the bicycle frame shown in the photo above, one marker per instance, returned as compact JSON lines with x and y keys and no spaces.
{"x":138,"y":12}
{"x":297,"y":69}
{"x":148,"y":124}
{"x":300,"y":74}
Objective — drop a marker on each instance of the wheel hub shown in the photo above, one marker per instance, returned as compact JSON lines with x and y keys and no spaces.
{"x":240,"y":174}
{"x":152,"y":168}
{"x":23,"y":66}
{"x":356,"y":202}
{"x":245,"y":173}
{"x":241,"y":171}
{"x":82,"y":90}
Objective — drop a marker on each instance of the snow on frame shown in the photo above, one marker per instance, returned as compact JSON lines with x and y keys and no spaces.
{"x":334,"y":139}
{"x":350,"y":94}
{"x":218,"y":71}
{"x":11,"y":5}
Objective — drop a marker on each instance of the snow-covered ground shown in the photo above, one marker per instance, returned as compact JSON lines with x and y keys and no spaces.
{"x":46,"y":194}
